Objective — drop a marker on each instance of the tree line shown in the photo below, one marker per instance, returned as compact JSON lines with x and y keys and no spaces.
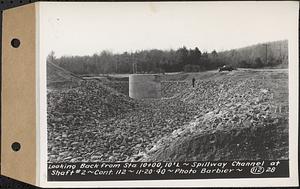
{"x":182,"y":59}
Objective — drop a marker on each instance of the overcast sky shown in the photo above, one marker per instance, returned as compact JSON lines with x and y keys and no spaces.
{"x":88,"y":28}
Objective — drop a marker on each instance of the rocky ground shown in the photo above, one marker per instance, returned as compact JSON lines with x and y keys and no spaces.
{"x":74,"y":113}
{"x":241,"y":114}
{"x":238,"y":117}
{"x":120,"y":86}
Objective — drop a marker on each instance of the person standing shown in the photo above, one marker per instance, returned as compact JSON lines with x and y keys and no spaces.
{"x":193,"y":81}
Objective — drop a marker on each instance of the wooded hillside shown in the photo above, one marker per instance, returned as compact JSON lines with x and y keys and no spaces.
{"x":260,"y":55}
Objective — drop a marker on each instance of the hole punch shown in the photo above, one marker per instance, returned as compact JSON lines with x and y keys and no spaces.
{"x":15,"y":43}
{"x":16,"y":146}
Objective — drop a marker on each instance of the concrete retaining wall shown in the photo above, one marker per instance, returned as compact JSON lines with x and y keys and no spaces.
{"x":143,"y":86}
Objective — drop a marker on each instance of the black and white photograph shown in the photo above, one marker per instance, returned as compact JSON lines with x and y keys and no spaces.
{"x":167,"y":82}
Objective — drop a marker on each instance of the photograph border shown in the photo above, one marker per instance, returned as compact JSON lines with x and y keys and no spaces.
{"x":259,"y":182}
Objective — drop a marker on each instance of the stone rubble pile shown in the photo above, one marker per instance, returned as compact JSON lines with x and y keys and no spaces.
{"x":73,"y":114}
{"x":224,"y":105}
{"x":120,"y":86}
{"x":227,"y":103}
{"x":93,"y":122}
{"x":169,"y":88}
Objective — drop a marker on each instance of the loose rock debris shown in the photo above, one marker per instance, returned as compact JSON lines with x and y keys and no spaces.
{"x":92,"y":122}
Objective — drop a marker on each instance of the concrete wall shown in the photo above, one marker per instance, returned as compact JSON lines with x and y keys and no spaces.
{"x":143,"y":86}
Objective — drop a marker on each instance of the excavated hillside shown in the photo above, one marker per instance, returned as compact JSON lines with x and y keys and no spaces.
{"x":75,"y":113}
{"x":58,"y":77}
{"x":240,"y":115}
{"x":229,"y":115}
{"x":75,"y":108}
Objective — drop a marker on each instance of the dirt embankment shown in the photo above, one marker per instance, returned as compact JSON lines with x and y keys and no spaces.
{"x":58,"y":77}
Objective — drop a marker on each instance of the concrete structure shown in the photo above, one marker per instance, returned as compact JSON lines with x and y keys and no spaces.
{"x":143,"y":86}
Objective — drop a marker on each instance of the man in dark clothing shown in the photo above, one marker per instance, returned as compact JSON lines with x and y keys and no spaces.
{"x":193,"y":81}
